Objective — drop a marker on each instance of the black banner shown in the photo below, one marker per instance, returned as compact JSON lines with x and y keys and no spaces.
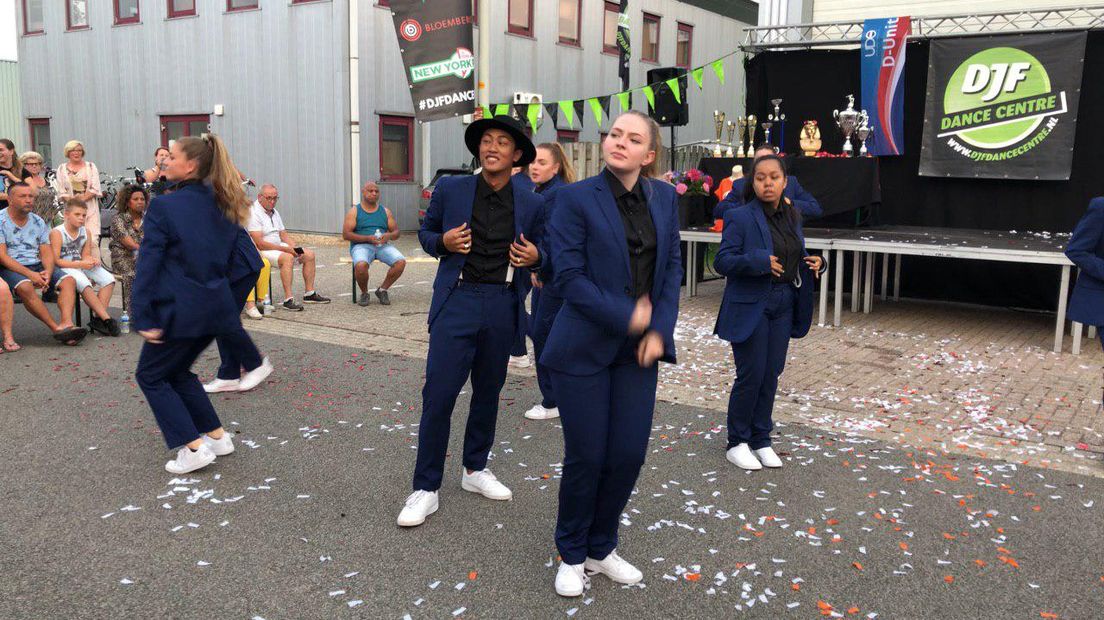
{"x":1002,"y":107}
{"x":435,"y":39}
{"x":624,"y":49}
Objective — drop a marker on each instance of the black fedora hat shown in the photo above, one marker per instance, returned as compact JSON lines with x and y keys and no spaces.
{"x":474,"y":135}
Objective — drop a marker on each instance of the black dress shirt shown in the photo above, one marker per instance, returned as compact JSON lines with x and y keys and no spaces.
{"x":492,"y":227}
{"x":787,"y":246}
{"x":640,"y":233}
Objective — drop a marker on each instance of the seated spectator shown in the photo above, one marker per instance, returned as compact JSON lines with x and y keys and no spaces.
{"x":72,"y":250}
{"x":27,"y":265}
{"x":11,"y":170}
{"x":273,"y":241}
{"x":126,"y":236}
{"x":259,"y":292}
{"x":7,"y":316}
{"x":45,"y":201}
{"x":370,"y":228}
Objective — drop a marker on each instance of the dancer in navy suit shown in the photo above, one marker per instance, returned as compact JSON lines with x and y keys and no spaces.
{"x":805,"y":202}
{"x":1086,"y":250}
{"x":484,"y":229}
{"x":549,"y":171}
{"x":615,"y":252}
{"x":182,"y":298}
{"x":768,"y":299}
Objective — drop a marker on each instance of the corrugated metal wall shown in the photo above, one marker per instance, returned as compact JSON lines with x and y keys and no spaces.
{"x":10,"y":124}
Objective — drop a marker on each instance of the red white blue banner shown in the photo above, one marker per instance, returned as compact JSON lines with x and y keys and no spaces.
{"x":883,"y":89}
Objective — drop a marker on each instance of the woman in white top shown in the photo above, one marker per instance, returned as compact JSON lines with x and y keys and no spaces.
{"x":78,"y":178}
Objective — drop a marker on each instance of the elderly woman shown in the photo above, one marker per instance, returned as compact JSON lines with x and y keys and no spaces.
{"x":80,"y":178}
{"x":126,"y":236}
{"x":45,"y":202}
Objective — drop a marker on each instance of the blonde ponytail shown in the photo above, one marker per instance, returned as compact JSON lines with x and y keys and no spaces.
{"x":213,"y":164}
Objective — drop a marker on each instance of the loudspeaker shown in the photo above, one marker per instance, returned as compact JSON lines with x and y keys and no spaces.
{"x":668,"y":112}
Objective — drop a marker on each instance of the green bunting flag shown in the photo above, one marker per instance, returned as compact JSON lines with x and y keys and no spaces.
{"x":718,"y":68}
{"x":568,"y":110}
{"x":533,"y":115}
{"x":697,"y":74}
{"x":673,"y":84}
{"x":486,"y":111}
{"x":649,"y":94}
{"x":502,"y":109}
{"x":597,"y":109}
{"x":623,"y":99}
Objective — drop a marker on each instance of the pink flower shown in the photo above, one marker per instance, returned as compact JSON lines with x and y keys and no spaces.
{"x":705,"y":188}
{"x":680,"y":189}
{"x":694,"y":174}
{"x":708,"y":180}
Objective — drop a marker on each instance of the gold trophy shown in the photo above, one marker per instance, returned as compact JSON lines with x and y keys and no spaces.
{"x":766,"y":129}
{"x":718,"y":123}
{"x":810,"y":139}
{"x":752,"y":120}
{"x":741,"y":126}
{"x":731,"y":130}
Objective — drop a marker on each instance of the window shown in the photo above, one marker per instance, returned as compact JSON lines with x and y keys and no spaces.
{"x":396,"y":148}
{"x":384,"y":3}
{"x":520,"y":19}
{"x":649,"y":42}
{"x":173,"y":127}
{"x":569,"y":21}
{"x":76,"y":14}
{"x":126,"y":12}
{"x":684,"y":44}
{"x":241,"y":5}
{"x":302,"y":1}
{"x":40,"y":139}
{"x":609,"y":28}
{"x":567,"y":136}
{"x":181,"y":8}
{"x":32,"y":17}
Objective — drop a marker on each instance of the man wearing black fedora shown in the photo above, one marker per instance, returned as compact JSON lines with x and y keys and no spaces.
{"x":484,"y":230}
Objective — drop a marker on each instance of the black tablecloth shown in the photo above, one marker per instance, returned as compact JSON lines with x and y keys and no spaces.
{"x":839,"y":184}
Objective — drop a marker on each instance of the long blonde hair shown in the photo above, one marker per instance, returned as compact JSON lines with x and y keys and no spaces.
{"x":567,"y":171}
{"x":656,"y":143}
{"x":213,"y":165}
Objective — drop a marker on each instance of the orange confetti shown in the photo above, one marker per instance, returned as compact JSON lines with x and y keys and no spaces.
{"x":833,"y":521}
{"x":824,"y":606}
{"x":903,"y":546}
{"x":797,"y":586}
{"x":949,"y":579}
{"x":948,"y":536}
{"x":693,"y":576}
{"x":1047,"y":614}
{"x":472,"y":575}
{"x":853,"y":610}
{"x":980,"y":563}
{"x":1036,"y":508}
{"x":1010,"y":562}
{"x":857,"y":565}
{"x":1004,"y":551}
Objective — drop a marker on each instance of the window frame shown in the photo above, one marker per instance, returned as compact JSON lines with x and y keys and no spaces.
{"x":232,"y":9}
{"x":122,"y":21}
{"x":27,"y":32}
{"x":398,"y":121}
{"x":689,"y":30}
{"x":304,"y":1}
{"x":69,"y":27}
{"x":616,"y":10}
{"x":187,"y":119}
{"x":31,"y":124}
{"x":644,"y":26}
{"x":578,"y":40}
{"x":173,"y":13}
{"x":511,"y":28}
{"x":567,"y":136}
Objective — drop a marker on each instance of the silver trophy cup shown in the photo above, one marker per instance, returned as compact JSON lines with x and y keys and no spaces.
{"x":848,"y":121}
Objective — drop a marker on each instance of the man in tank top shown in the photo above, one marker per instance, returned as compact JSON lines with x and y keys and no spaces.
{"x":370,"y":228}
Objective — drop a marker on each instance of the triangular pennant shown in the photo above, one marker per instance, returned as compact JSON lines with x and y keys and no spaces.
{"x":568,"y":110}
{"x":579,"y":107}
{"x":521,"y":110}
{"x":649,"y":94}
{"x":487,"y":111}
{"x":502,"y":109}
{"x":597,"y":109}
{"x":718,"y":68}
{"x":604,"y":101}
{"x":534,"y":115}
{"x":697,"y":75}
{"x":673,"y":84}
{"x":553,"y":113}
{"x":623,"y":99}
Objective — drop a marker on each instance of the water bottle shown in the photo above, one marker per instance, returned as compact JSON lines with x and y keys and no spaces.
{"x":267,"y":306}
{"x":379,"y":234}
{"x":124,"y":323}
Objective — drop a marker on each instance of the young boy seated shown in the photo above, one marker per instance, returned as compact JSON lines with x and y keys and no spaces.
{"x":72,"y":249}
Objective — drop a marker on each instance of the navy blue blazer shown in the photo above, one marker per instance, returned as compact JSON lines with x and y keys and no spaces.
{"x":591,"y":261}
{"x":1086,"y":250}
{"x":451,"y":206}
{"x":547,"y":273}
{"x":744,"y":260}
{"x":805,"y":202}
{"x":181,"y":284}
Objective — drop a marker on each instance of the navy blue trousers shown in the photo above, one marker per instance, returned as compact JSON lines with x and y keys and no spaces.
{"x":607,"y":419}
{"x":472,"y":335}
{"x":544,"y":315}
{"x":175,"y":394}
{"x":236,"y":348}
{"x":759,"y":361}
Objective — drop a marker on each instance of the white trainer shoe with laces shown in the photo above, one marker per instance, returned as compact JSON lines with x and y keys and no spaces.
{"x":520,"y":361}
{"x":257,"y":376}
{"x":741,"y":457}
{"x":220,"y":447}
{"x":540,"y":412}
{"x":616,"y":568}
{"x":419,"y":505}
{"x":768,"y":457}
{"x":571,"y":580}
{"x":188,"y":460}
{"x":222,"y":385}
{"x":484,"y":483}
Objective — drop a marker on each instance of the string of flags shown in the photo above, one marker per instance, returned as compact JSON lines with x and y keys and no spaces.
{"x":575,"y":109}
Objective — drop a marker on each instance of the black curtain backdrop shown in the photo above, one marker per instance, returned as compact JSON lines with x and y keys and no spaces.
{"x":814,"y":82}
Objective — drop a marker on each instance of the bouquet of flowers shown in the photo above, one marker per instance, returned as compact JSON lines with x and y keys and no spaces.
{"x":693,"y":182}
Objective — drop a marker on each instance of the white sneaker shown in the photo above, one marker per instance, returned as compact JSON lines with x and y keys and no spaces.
{"x":741,"y":457}
{"x":222,"y":385}
{"x":614,"y":567}
{"x":255,"y":377}
{"x":253,"y":313}
{"x":768,"y":458}
{"x":540,"y":412}
{"x":220,"y":447}
{"x":520,"y":361}
{"x":571,"y":580}
{"x":419,"y":505}
{"x":188,"y":461}
{"x":484,"y":483}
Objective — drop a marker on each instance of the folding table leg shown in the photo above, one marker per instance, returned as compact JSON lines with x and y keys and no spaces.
{"x":885,"y":274}
{"x":856,"y":278}
{"x":838,"y":297}
{"x":1076,"y":333}
{"x":897,"y":277}
{"x":868,"y":292}
{"x":824,"y":292}
{"x":1060,"y":323}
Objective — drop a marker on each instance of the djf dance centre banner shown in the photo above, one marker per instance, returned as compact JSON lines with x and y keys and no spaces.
{"x":883,"y":89}
{"x":435,"y":39}
{"x":1002,"y":107}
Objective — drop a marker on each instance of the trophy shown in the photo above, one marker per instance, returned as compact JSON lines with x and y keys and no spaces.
{"x":779,"y":118}
{"x":847,"y":121}
{"x":741,"y":126}
{"x":718,"y":124}
{"x":863,"y":132}
{"x":731,"y":130}
{"x":810,"y":139}
{"x":751,"y":120}
{"x":766,"y":125}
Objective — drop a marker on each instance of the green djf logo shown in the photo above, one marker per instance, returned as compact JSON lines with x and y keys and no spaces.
{"x":999,"y":100}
